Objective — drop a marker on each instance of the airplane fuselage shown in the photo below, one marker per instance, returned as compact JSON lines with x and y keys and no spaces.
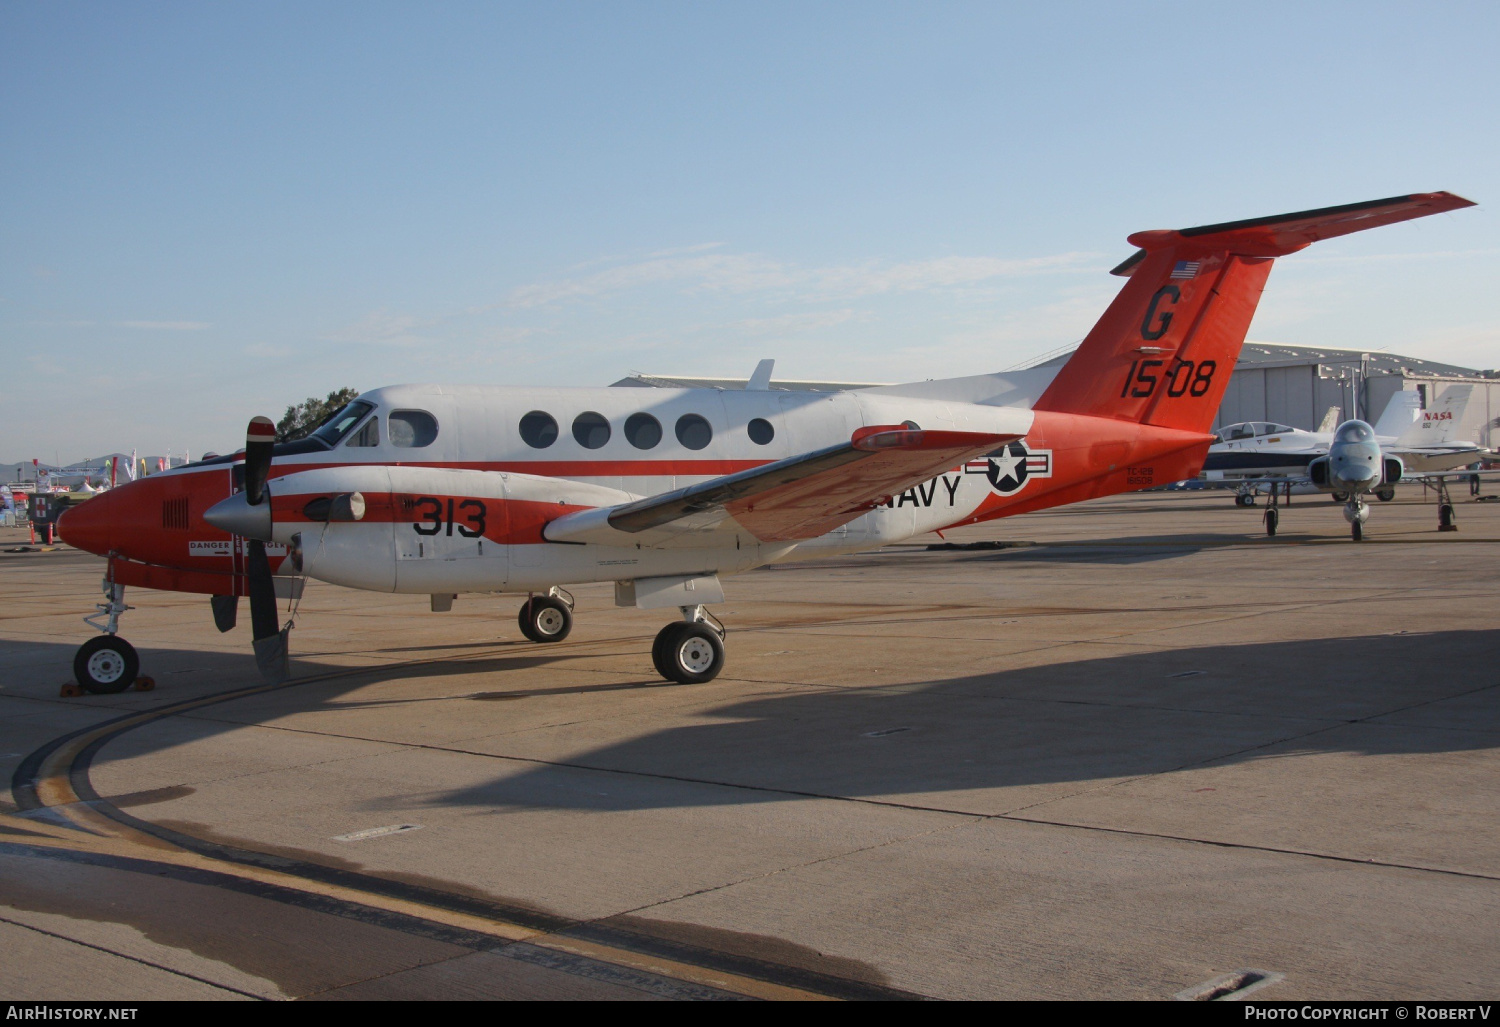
{"x":461,"y":480}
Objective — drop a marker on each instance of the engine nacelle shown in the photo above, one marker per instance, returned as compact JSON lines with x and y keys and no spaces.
{"x":1318,"y":471}
{"x":434,"y":530}
{"x":1392,"y":470}
{"x":394,"y":528}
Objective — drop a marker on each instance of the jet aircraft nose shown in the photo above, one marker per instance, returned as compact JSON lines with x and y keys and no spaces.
{"x":90,"y":525}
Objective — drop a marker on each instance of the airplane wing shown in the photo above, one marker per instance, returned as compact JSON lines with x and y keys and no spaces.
{"x":1484,"y":474}
{"x":1407,"y":478}
{"x":787,"y":501}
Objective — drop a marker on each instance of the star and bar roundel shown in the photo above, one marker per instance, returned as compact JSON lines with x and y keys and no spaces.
{"x":1011,"y":466}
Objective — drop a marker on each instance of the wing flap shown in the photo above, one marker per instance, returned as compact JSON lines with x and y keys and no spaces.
{"x":787,"y":501}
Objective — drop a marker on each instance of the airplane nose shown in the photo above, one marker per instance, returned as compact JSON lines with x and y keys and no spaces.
{"x":90,"y":525}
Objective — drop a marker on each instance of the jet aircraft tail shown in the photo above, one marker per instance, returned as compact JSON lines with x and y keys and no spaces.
{"x":1163,"y":351}
{"x":1440,"y":425}
{"x":1402,"y":410}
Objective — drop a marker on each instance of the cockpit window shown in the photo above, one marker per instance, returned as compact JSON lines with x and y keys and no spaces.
{"x":1355,"y":431}
{"x":1240,"y":431}
{"x":412,"y":429}
{"x":339,"y":424}
{"x":368,"y":435}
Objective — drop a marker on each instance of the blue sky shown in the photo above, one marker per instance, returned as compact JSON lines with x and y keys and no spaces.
{"x":213,"y":210}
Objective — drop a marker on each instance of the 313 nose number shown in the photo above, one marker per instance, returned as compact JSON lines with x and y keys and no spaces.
{"x":444,"y":515}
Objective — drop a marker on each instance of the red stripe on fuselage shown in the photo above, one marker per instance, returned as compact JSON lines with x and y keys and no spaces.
{"x":550,"y":468}
{"x":507,"y":522}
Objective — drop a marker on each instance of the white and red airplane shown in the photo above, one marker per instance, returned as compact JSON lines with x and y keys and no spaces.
{"x":442,"y":490}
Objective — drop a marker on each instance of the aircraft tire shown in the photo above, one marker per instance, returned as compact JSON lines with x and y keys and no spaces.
{"x":1244,"y":499}
{"x":105,"y":664}
{"x":1385,"y":495}
{"x":1272,"y":516}
{"x":659,"y":648}
{"x":545,"y":619}
{"x":1357,"y":530}
{"x":688,"y":653}
{"x":1340,"y":497}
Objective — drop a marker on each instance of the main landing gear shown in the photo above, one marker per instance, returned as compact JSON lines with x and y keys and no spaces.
{"x":106,"y":663}
{"x":690,"y":651}
{"x":1446,"y":520}
{"x":547,"y":618}
{"x":1277,"y":497}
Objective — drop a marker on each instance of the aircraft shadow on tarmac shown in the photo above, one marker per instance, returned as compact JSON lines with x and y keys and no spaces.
{"x":1117,"y":717}
{"x":925,"y":740}
{"x":1122,"y":551}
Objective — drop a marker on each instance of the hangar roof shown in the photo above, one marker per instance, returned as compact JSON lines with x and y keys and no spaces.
{"x":1264,"y":354}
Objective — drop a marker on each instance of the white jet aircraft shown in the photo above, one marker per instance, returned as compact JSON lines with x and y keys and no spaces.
{"x":1424,"y":440}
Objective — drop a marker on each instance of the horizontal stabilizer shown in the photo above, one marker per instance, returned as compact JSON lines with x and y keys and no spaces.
{"x":787,"y":501}
{"x":1280,"y":234}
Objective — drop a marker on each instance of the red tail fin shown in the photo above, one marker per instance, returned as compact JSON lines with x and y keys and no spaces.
{"x":1163,"y":351}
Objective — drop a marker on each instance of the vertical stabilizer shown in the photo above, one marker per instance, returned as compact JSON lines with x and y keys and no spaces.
{"x":1441,"y":424}
{"x":1403,"y":410}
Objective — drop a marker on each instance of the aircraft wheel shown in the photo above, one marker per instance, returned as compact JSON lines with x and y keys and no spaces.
{"x":1272,"y":516}
{"x":1244,"y":499}
{"x":1445,"y":518}
{"x":1340,"y":497}
{"x":545,"y":619}
{"x":1385,"y":495}
{"x":689,"y":654}
{"x":1357,"y":530}
{"x":105,"y":664}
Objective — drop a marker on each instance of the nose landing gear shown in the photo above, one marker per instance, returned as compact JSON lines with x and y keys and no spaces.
{"x":690,"y":651}
{"x":1356,"y":512}
{"x":106,"y":663}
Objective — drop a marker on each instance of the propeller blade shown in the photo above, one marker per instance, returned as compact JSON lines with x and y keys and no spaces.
{"x":270,"y":642}
{"x":260,"y":439}
{"x":262,"y":590}
{"x":226,"y":609}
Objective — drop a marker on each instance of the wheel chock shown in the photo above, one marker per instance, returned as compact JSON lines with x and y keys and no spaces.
{"x":144,"y":683}
{"x":70,"y":691}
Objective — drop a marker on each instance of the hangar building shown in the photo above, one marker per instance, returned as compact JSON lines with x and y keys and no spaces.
{"x":1296,"y":385}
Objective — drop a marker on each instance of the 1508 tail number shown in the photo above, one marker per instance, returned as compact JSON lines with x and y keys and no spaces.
{"x":1184,"y":378}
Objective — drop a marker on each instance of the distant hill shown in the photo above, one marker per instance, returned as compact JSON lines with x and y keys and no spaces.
{"x":16,"y":470}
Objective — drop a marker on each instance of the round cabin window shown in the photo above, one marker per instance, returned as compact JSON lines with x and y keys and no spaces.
{"x":642,"y":431}
{"x":538,"y":429}
{"x":694,"y":431}
{"x":591,"y":430}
